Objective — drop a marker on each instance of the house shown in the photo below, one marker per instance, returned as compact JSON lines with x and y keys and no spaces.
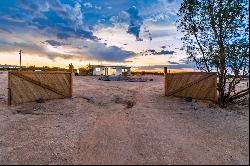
{"x":10,"y":67}
{"x":111,"y":70}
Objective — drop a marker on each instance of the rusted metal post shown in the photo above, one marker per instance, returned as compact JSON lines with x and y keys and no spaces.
{"x":165,"y":80}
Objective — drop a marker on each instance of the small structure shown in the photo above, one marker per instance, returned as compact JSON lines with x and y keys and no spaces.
{"x":111,"y":70}
{"x":10,"y":67}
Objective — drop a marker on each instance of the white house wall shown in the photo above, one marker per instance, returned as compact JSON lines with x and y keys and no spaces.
{"x":111,"y":71}
{"x":118,"y":71}
{"x":98,"y":73}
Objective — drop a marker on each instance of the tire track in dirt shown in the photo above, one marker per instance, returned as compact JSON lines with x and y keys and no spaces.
{"x":107,"y":142}
{"x":114,"y":138}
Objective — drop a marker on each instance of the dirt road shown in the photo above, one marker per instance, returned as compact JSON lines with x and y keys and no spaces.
{"x":121,"y":123}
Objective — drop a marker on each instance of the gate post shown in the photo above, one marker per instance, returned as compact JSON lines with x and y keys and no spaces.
{"x":165,"y":80}
{"x":9,"y":90}
{"x":71,"y":84}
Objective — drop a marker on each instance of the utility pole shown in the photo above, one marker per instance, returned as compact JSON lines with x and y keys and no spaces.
{"x":20,"y":53}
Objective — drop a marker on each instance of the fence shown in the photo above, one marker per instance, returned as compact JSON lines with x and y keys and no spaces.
{"x":198,"y":85}
{"x":30,"y":86}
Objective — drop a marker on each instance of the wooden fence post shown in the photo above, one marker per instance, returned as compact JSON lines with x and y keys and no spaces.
{"x":71,"y":84}
{"x":9,"y":90}
{"x":165,"y":80}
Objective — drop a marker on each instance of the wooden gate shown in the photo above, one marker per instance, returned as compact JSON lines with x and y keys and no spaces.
{"x":30,"y":86}
{"x":198,"y":85}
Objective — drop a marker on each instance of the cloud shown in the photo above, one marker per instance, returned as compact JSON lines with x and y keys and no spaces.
{"x":75,"y":22}
{"x":173,"y":63}
{"x":162,"y":11}
{"x":98,"y":51}
{"x":13,"y":45}
{"x":62,"y":35}
{"x":39,"y":50}
{"x":51,"y":17}
{"x":112,"y":53}
{"x":54,"y":55}
{"x":154,"y":52}
{"x":163,"y":33}
{"x":77,"y":15}
{"x":135,"y":22}
{"x":172,"y":66}
{"x":4,"y":30}
{"x":88,"y":5}
{"x":53,"y":42}
{"x":165,"y":52}
{"x":170,"y":1}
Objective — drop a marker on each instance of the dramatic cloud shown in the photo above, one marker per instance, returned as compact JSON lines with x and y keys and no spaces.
{"x":112,"y":53}
{"x":109,"y":30}
{"x":80,"y":50}
{"x":77,"y":16}
{"x":135,"y":22}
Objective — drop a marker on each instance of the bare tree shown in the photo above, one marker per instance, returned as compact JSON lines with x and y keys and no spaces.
{"x":216,"y":38}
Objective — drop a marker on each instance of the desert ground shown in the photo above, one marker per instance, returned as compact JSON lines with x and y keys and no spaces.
{"x":109,"y":122}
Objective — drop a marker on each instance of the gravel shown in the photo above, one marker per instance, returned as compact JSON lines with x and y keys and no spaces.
{"x":121,"y":123}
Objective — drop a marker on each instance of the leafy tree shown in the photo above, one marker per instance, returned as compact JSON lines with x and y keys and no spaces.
{"x":87,"y":70}
{"x":32,"y":68}
{"x":216,"y":38}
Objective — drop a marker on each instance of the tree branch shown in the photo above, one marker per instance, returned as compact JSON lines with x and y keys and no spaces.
{"x":203,"y":53}
{"x":239,"y":94}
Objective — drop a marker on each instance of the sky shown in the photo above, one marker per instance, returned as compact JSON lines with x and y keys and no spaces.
{"x":138,"y":33}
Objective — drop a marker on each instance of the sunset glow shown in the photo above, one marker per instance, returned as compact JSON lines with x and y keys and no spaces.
{"x":60,"y":32}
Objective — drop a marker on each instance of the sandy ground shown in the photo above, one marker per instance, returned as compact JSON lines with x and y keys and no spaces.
{"x":121,"y":123}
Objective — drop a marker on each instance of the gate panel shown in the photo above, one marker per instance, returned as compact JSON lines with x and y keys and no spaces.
{"x":198,"y":85}
{"x":29,"y":86}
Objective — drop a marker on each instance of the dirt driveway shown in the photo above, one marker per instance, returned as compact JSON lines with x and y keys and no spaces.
{"x":121,"y":123}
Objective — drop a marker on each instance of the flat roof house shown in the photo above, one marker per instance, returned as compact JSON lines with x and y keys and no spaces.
{"x":10,"y":67}
{"x":111,"y":70}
